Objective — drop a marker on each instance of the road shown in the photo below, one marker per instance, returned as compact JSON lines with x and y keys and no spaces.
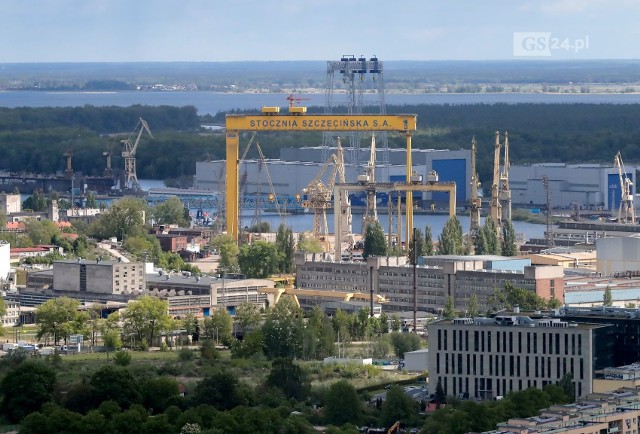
{"x":113,"y":252}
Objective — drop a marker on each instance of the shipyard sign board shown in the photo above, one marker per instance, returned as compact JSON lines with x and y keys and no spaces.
{"x":321,"y":122}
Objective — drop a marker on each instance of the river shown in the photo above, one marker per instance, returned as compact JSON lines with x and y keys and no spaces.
{"x":214,"y":102}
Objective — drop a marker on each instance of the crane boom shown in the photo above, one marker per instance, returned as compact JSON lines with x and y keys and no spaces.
{"x":129,"y":154}
{"x":626,"y":210}
{"x":495,"y":213}
{"x":476,"y":202}
{"x":504,"y":192}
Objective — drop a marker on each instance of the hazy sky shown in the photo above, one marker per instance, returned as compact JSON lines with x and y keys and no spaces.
{"x":225,"y":30}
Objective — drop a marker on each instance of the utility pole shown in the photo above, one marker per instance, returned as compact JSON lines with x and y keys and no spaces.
{"x":548,"y":235}
{"x":414,"y":261}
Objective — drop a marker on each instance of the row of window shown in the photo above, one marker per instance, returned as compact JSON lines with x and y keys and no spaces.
{"x":487,"y":388}
{"x":510,"y":341}
{"x":509,"y":365}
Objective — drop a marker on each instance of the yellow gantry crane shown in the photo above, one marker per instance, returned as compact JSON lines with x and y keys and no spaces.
{"x":129,"y":155}
{"x":626,"y":210}
{"x":298,"y":120}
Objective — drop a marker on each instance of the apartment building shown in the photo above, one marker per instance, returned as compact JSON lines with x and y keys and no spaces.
{"x":482,"y":358}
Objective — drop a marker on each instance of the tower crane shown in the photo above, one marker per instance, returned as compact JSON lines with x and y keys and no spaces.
{"x":475,"y":204}
{"x":494,"y":209}
{"x":504,"y":192}
{"x":129,"y":155}
{"x":369,"y":178}
{"x":626,"y":210}
{"x":68,"y":171}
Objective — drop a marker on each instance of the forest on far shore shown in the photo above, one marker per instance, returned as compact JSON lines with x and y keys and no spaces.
{"x":34,"y":139}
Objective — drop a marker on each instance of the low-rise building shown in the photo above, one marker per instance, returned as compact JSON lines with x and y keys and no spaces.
{"x":172,"y":243}
{"x":601,"y":413}
{"x":106,"y":277}
{"x":483,"y":358}
{"x":438,"y":277}
{"x":5,"y":260}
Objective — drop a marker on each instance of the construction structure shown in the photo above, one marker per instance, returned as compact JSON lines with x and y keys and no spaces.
{"x":68,"y":171}
{"x":108,"y":170}
{"x":130,"y":181}
{"x":504,"y":193}
{"x":349,"y":82}
{"x":414,"y":184}
{"x":318,"y":196}
{"x":272,"y":120}
{"x":369,"y":178}
{"x":494,"y":208}
{"x":475,"y":203}
{"x":626,"y":209}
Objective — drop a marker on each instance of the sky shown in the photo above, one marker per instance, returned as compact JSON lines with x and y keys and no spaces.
{"x":244,"y":30}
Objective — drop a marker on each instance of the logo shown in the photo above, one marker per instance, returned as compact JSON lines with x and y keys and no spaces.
{"x":544,"y":44}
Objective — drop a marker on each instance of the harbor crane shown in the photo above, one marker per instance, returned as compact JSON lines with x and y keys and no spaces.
{"x":319,"y":195}
{"x":626,"y":210}
{"x":504,"y":193}
{"x":475,"y":203}
{"x":369,"y":178}
{"x":108,"y":170}
{"x":129,"y":155}
{"x":494,"y":208}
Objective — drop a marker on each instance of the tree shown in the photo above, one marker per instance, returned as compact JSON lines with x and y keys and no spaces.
{"x":318,"y":341}
{"x":36,"y":202}
{"x":450,"y":240}
{"x":607,"y":299}
{"x":91,"y":201}
{"x":247,"y":316}
{"x":283,"y":330}
{"x":309,"y":244}
{"x":509,"y":244}
{"x":228,"y":250}
{"x":473,"y":306}
{"x":58,"y":318}
{"x":404,"y":342}
{"x":258,"y":260}
{"x":449,"y":311}
{"x":218,"y":326}
{"x":569,"y":389}
{"x":125,"y":218}
{"x":169,"y":212}
{"x":419,"y":243}
{"x":490,"y":235}
{"x":343,"y":404}
{"x":220,"y":390}
{"x":374,"y":241}
{"x":441,"y":397}
{"x":285,"y":245}
{"x":115,"y":383}
{"x":26,"y":388}
{"x":157,"y":392}
{"x":145,"y":317}
{"x":289,"y":378}
{"x":395,"y":323}
{"x":42,"y":231}
{"x":398,"y":406}
{"x":428,"y":241}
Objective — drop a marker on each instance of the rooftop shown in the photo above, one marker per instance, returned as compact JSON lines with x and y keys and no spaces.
{"x":517,"y":320}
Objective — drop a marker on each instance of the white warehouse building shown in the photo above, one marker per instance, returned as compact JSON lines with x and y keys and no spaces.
{"x":297,"y":167}
{"x":591,"y":186}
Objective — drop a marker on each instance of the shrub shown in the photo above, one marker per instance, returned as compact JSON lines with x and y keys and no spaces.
{"x":185,"y":355}
{"x":121,"y":358}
